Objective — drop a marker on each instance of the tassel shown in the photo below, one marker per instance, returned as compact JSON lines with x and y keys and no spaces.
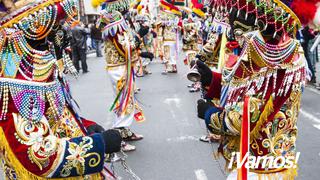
{"x":286,"y":174}
{"x":116,"y":100}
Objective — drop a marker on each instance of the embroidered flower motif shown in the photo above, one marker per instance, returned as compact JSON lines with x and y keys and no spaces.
{"x":36,"y":138}
{"x":285,"y":149}
{"x":76,"y":154}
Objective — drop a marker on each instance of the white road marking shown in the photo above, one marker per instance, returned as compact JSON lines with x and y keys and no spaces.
{"x":174,"y":104}
{"x":173,"y":101}
{"x":317,"y":126}
{"x":311,"y":117}
{"x":313,"y":90}
{"x":200,"y":174}
{"x":183,"y":139}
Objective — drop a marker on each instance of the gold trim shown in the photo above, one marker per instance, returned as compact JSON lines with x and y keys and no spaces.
{"x":22,"y":172}
{"x":29,"y":11}
{"x":117,"y":47}
{"x":288,"y":10}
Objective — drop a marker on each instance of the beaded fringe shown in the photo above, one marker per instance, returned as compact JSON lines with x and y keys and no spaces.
{"x":288,"y":174}
{"x":23,"y":173}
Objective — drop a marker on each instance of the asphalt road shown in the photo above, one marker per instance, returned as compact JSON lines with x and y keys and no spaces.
{"x":171,"y":150}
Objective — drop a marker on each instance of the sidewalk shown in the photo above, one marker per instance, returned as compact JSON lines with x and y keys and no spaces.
{"x":318,"y":73}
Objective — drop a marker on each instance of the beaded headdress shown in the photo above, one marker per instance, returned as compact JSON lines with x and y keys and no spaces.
{"x":30,"y":24}
{"x":51,"y":10}
{"x":113,"y":23}
{"x":274,"y":13}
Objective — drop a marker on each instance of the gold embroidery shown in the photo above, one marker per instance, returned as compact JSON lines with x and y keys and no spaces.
{"x":42,"y":144}
{"x":281,"y":133}
{"x":215,"y":123}
{"x":256,"y":146}
{"x":66,"y":126}
{"x":112,"y":55}
{"x":76,"y":159}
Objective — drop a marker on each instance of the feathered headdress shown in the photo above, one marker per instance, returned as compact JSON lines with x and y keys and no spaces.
{"x":170,"y":6}
{"x":197,"y":8}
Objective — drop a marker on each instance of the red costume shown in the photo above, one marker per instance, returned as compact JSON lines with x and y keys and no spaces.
{"x":41,"y":134}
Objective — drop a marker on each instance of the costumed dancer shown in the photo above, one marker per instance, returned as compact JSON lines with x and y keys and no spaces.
{"x":189,"y":39}
{"x":259,"y":89}
{"x":170,"y":49}
{"x":170,"y":20}
{"x":42,"y":135}
{"x":218,"y":28}
{"x":159,"y":31}
{"x":209,"y":54}
{"x":190,"y":45}
{"x":146,"y":47}
{"x":120,"y":49}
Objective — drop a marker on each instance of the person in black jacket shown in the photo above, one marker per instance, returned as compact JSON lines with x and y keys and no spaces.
{"x":79,"y":47}
{"x":307,"y":36}
{"x":96,"y":36}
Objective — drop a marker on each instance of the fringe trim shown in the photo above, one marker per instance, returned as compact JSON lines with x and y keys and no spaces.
{"x":23,"y":173}
{"x":288,"y":174}
{"x":268,"y":109}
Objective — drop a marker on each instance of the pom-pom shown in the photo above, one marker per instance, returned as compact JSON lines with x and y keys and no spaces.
{"x":96,"y":3}
{"x":305,"y":10}
{"x":139,"y":8}
{"x":196,"y":4}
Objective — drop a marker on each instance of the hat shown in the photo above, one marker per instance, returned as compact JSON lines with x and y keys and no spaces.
{"x":197,"y":8}
{"x":171,"y":6}
{"x":114,"y":23}
{"x":27,"y":11}
{"x":286,"y":13}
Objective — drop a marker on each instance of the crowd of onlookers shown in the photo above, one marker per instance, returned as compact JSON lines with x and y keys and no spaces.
{"x":88,"y":38}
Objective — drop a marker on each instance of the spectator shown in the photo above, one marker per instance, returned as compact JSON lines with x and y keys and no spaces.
{"x":88,"y":38}
{"x":307,"y":36}
{"x":79,"y":47}
{"x":96,"y":37}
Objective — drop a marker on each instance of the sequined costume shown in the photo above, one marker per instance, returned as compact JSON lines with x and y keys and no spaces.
{"x":120,"y":49}
{"x":159,"y":30}
{"x":211,"y":51}
{"x":257,"y":94}
{"x":146,"y":54}
{"x":42,"y":135}
{"x":170,"y":40}
{"x":190,"y":39}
